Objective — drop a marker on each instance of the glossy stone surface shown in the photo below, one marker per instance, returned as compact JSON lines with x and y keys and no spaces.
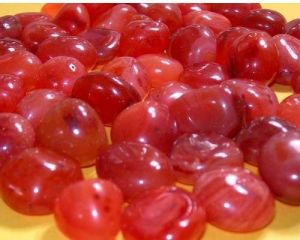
{"x":30,"y":17}
{"x":73,"y":17}
{"x":138,"y":16}
{"x":235,"y":12}
{"x":168,"y":92}
{"x":193,"y":44}
{"x":102,"y":210}
{"x":256,"y":57}
{"x":106,"y":93}
{"x":155,"y":125}
{"x":160,"y":69}
{"x":97,"y":9}
{"x":167,"y":13}
{"x":135,"y":167}
{"x":289,"y":110}
{"x":51,"y":9}
{"x":16,"y":134}
{"x":69,"y":46}
{"x":8,"y":45}
{"x":190,"y":7}
{"x":60,"y":74}
{"x":289,"y":58}
{"x":35,"y":105}
{"x":266,"y":20}
{"x":116,"y":18}
{"x":293,"y":28}
{"x":235,"y":200}
{"x":214,"y":21}
{"x":130,"y":70}
{"x":35,"y":33}
{"x":194,"y":154}
{"x":105,"y":41}
{"x":144,"y":37}
{"x":225,"y":46}
{"x":31,"y":182}
{"x":22,"y":64}
{"x":73,"y":128}
{"x":11,"y":92}
{"x":253,"y":98}
{"x":279,"y":166}
{"x":252,"y":138}
{"x":206,"y":110}
{"x":203,"y":74}
{"x":150,"y":217}
{"x":10,"y":27}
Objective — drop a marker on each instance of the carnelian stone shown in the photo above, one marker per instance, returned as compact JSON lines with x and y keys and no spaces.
{"x":73,"y":128}
{"x":160,"y":69}
{"x":135,"y":167}
{"x":35,"y":105}
{"x":154,"y":125}
{"x":235,"y":200}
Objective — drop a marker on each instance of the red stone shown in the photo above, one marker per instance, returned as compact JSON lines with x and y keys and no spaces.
{"x":253,"y":98}
{"x":106,"y":93}
{"x":11,"y":92}
{"x":116,"y":18}
{"x":167,"y":212}
{"x":190,"y":7}
{"x":138,"y":17}
{"x":130,"y":70}
{"x":99,"y":201}
{"x":22,"y":64}
{"x":293,"y":28}
{"x":168,"y":92}
{"x":266,"y":20}
{"x":289,"y":58}
{"x":214,"y":21}
{"x":289,"y":110}
{"x":194,"y":154}
{"x":167,"y":13}
{"x":73,"y":128}
{"x":279,"y":166}
{"x":73,"y":17}
{"x":105,"y":41}
{"x":31,"y":182}
{"x":160,"y":69}
{"x":8,"y":45}
{"x":52,"y":9}
{"x":10,"y":27}
{"x":135,"y":167}
{"x":193,"y":44}
{"x":35,"y":33}
{"x":97,"y":9}
{"x":252,"y":138}
{"x":295,"y":82}
{"x":235,"y":200}
{"x":30,"y":17}
{"x":206,"y":110}
{"x":203,"y":74}
{"x":69,"y":46}
{"x":35,"y":105}
{"x":225,"y":46}
{"x":60,"y":73}
{"x":16,"y":134}
{"x":144,"y":37}
{"x":235,"y":12}
{"x":146,"y":122}
{"x":255,"y":57}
